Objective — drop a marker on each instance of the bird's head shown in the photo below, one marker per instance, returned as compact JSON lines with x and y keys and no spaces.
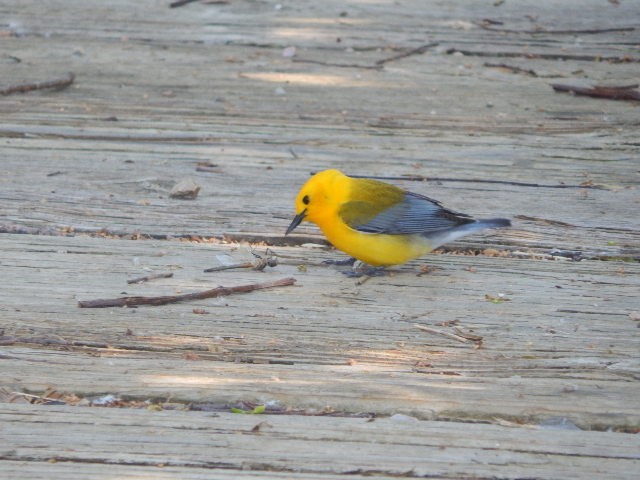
{"x":319,"y":198}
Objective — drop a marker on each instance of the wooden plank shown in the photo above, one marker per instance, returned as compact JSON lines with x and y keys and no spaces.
{"x":313,"y":447}
{"x":562,"y":332}
{"x":124,"y":199}
{"x":233,"y":116}
{"x":379,"y":89}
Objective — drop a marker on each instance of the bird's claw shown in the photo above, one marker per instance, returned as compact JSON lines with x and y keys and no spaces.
{"x":363,"y":270}
{"x":346,"y":261}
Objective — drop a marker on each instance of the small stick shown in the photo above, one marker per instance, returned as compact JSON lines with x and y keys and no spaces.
{"x":513,"y":68}
{"x":150,"y":277}
{"x":624,"y":92}
{"x":440,"y":332}
{"x":180,"y":3}
{"x":468,"y":335}
{"x":415,"y":51}
{"x":163,"y":300}
{"x":37,"y":397}
{"x":58,"y":84}
{"x":229,"y":267}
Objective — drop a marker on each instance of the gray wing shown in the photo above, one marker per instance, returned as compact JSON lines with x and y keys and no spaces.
{"x":415,"y":214}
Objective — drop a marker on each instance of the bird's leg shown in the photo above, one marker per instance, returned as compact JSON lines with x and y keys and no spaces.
{"x":346,"y":261}
{"x":361,"y":269}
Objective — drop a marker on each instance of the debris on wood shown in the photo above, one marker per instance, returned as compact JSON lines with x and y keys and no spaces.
{"x":512,"y":68}
{"x":262,"y":425}
{"x":414,"y":51}
{"x":426,"y":269}
{"x":255,"y":411}
{"x":186,"y":189}
{"x":289,"y":52}
{"x":231,"y":266}
{"x":165,"y":299}
{"x":435,"y":331}
{"x":259,"y":264}
{"x":180,"y":3}
{"x":497,"y":299}
{"x":146,"y":278}
{"x":270,"y":260}
{"x":208,"y":167}
{"x":622,"y":92}
{"x":56,"y":84}
{"x":468,"y":335}
{"x":39,"y":399}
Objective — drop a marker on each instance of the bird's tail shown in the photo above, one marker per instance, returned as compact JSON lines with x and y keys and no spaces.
{"x":492,"y":223}
{"x":436,"y":239}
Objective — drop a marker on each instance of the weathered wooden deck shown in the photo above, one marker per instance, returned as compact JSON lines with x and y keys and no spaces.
{"x":352,"y":387}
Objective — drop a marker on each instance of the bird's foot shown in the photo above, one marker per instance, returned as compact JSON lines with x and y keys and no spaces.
{"x":361,"y":269}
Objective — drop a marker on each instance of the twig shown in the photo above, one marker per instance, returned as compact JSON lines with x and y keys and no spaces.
{"x":513,"y":68}
{"x":260,"y":263}
{"x":180,"y":3}
{"x":624,"y":92}
{"x":468,"y":335}
{"x":58,"y":84}
{"x":416,"y":51}
{"x":37,"y":397}
{"x":150,"y":277}
{"x":440,"y":332}
{"x":229,"y":267}
{"x":163,"y":300}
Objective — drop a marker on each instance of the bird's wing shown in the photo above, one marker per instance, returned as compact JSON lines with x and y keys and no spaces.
{"x":414,"y":214}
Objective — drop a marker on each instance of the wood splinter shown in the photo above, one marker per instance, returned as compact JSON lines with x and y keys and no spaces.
{"x":163,"y":300}
{"x":435,"y":331}
{"x":259,"y":265}
{"x":57,"y":84}
{"x":146,"y":278}
{"x":232,"y":266}
{"x":622,"y":92}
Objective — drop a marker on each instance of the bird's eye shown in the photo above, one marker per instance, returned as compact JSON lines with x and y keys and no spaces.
{"x":305,"y":199}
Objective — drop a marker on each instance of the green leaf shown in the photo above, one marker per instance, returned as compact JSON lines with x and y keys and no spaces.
{"x":256,"y":411}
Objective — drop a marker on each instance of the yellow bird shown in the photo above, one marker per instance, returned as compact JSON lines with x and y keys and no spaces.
{"x":378,"y":223}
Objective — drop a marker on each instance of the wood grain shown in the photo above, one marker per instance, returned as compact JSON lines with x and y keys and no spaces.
{"x":454,"y":101}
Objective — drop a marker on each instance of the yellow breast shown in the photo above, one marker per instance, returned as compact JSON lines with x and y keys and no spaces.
{"x":374,"y":248}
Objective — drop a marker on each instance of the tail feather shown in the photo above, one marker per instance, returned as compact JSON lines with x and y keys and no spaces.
{"x":493,"y":223}
{"x":441,"y":237}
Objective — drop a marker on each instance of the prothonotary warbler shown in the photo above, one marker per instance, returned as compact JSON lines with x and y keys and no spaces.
{"x":378,"y":223}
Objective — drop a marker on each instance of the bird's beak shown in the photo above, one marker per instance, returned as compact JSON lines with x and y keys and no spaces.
{"x":296,"y":221}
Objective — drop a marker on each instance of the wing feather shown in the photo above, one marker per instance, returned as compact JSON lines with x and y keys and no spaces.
{"x":414,"y":214}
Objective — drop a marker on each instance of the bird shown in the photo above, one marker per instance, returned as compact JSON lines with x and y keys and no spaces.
{"x":377,"y":223}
